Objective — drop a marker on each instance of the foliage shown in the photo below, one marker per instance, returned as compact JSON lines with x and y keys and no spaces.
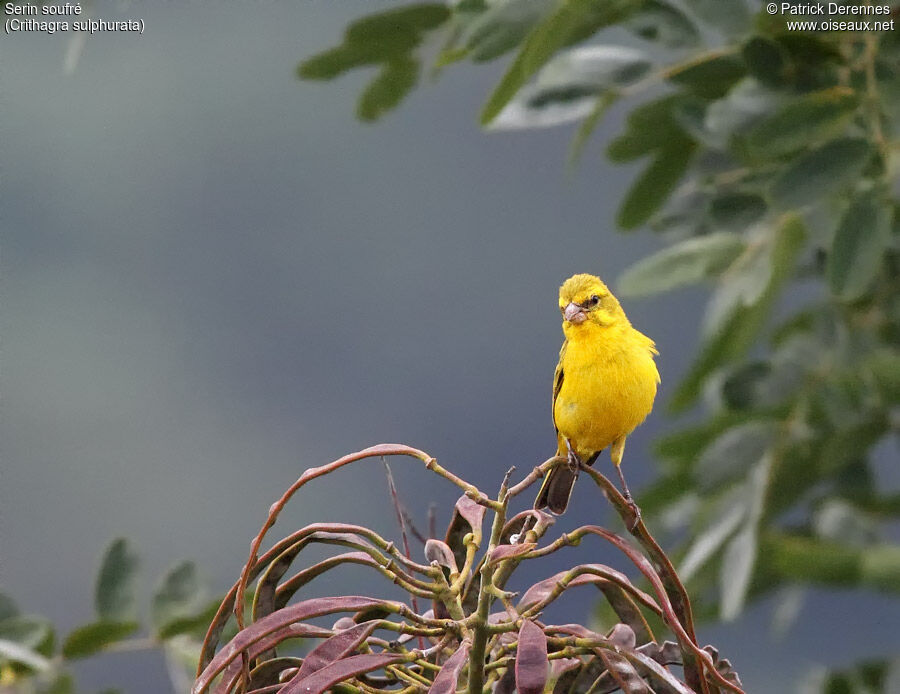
{"x":771,"y":162}
{"x":33,"y":661}
{"x":384,"y":645}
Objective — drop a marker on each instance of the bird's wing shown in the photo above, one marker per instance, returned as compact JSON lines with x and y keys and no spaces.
{"x":558,"y":381}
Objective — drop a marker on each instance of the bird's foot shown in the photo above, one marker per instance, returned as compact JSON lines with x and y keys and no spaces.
{"x":636,"y":512}
{"x":572,"y":459}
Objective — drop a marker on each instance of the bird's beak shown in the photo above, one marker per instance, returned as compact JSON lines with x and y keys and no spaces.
{"x":574,"y":313}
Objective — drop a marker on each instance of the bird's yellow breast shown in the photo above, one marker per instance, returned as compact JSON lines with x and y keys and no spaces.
{"x":608,"y":387}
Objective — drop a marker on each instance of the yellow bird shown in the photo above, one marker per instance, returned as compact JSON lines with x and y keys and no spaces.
{"x":604,"y":385}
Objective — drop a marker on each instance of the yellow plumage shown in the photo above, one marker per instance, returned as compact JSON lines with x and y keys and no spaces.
{"x":604,"y":386}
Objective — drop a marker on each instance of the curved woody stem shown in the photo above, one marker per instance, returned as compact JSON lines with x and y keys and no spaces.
{"x":461,"y":634}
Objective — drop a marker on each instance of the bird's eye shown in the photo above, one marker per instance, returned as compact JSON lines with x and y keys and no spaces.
{"x":594,"y":300}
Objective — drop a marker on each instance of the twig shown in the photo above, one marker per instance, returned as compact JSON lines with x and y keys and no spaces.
{"x":533,"y":476}
{"x":414,"y":531}
{"x":398,"y":507}
{"x":310,"y":474}
{"x":481,"y":629}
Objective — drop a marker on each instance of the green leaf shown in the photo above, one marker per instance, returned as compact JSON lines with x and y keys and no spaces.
{"x":396,"y":79}
{"x":177,"y":597}
{"x":804,"y":559}
{"x":788,"y":605}
{"x":571,"y":21}
{"x":588,"y":125}
{"x":569,"y":86}
{"x":651,"y":126}
{"x":94,"y":637}
{"x":839,"y":521}
{"x":598,"y":66}
{"x":63,"y":683}
{"x":691,"y":117}
{"x":842,"y":401}
{"x":336,"y":61}
{"x":733,"y":453}
{"x":745,"y":282}
{"x":378,"y":38}
{"x":888,"y":77}
{"x":670,"y":498}
{"x":884,"y":368}
{"x":769,"y":383}
{"x":766,"y":60}
{"x":740,"y":554}
{"x":737,"y":568}
{"x":660,"y":21}
{"x":194,"y":624}
{"x":881,"y":568}
{"x":731,"y":511}
{"x":114,"y":597}
{"x":653,"y":187}
{"x":811,"y":320}
{"x":728,"y":118}
{"x":859,"y":244}
{"x":684,"y":263}
{"x":684,"y":215}
{"x":819,"y":562}
{"x":808,"y":119}
{"x":709,"y":76}
{"x":736,"y":211}
{"x":447,"y":56}
{"x":502,"y":27}
{"x":386,"y":26}
{"x":546,"y":107}
{"x":684,"y":447}
{"x":805,"y":463}
{"x":821,"y":172}
{"x":736,"y":333}
{"x":17,"y":653}
{"x":35,"y":633}
{"x":729,"y":16}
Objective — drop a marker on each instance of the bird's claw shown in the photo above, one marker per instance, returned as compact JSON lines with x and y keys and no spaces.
{"x":636,"y":512}
{"x":572,"y":459}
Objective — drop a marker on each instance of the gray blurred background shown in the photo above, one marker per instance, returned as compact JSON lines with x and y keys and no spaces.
{"x":214,"y":277}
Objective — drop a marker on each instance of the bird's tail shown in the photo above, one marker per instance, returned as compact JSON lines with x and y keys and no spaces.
{"x":556,"y":489}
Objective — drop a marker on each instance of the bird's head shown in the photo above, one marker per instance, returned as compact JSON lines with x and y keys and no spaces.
{"x":585,"y":301}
